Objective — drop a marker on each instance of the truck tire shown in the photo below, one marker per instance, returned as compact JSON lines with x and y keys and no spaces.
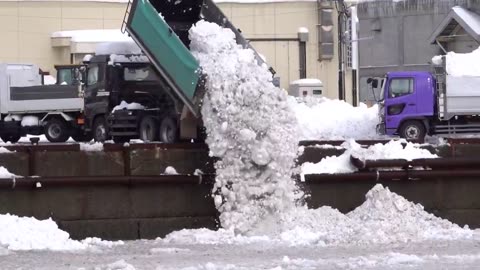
{"x":80,"y":136}
{"x":100,"y":129}
{"x":168,"y":130}
{"x":121,"y":139}
{"x":13,"y":138}
{"x":56,"y":130}
{"x":148,"y":129}
{"x":413,"y":130}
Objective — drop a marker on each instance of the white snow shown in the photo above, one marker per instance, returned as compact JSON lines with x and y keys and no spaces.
{"x":117,"y":47}
{"x":302,"y":30}
{"x":4,"y":173}
{"x":118,"y":265}
{"x":128,"y":106}
{"x":170,"y":170}
{"x":257,"y":141}
{"x":29,"y":121}
{"x":325,"y":119}
{"x":461,"y":64}
{"x":395,"y":149}
{"x":307,"y":81}
{"x":93,"y":35}
{"x":49,"y":80}
{"x":139,"y":58}
{"x":91,"y":147}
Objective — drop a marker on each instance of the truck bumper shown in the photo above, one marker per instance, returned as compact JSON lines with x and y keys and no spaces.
{"x":123,"y":123}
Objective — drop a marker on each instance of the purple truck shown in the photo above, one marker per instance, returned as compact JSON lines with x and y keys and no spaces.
{"x":418,"y":103}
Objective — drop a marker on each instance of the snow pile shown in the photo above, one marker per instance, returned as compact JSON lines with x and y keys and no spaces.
{"x":22,"y":233}
{"x":250,"y":127}
{"x":29,"y":121}
{"x":91,"y":147}
{"x":4,"y":173}
{"x":128,"y":106}
{"x":384,"y":218}
{"x":395,"y":149}
{"x":170,"y":170}
{"x":325,"y":119}
{"x":118,"y":265}
{"x":26,"y":233}
{"x":461,"y":64}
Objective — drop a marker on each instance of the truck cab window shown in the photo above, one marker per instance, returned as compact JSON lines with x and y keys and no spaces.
{"x":145,"y":73}
{"x":65,"y":76}
{"x":401,"y":87}
{"x":92,"y":77}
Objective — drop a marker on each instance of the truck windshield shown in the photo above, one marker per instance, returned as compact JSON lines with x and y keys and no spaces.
{"x":139,"y":74}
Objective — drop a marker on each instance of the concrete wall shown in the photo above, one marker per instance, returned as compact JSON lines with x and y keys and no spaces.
{"x":397,"y":36}
{"x":28,"y":25}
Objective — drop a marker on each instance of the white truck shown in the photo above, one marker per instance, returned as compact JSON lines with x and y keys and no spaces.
{"x":29,"y":107}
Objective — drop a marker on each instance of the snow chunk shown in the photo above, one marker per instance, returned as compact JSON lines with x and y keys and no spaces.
{"x":91,"y":147}
{"x":4,"y":173}
{"x":30,"y":121}
{"x":461,"y":64}
{"x":395,"y":149}
{"x":128,"y":106}
{"x":170,"y":170}
{"x":302,"y":30}
{"x":119,"y":47}
{"x":249,"y":126}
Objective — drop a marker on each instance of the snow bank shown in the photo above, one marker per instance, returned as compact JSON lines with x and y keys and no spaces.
{"x":4,"y":173}
{"x":128,"y":106}
{"x":461,"y":64}
{"x":26,"y":233}
{"x":395,"y":149}
{"x":91,"y":147}
{"x":250,"y":127}
{"x":325,"y":119}
{"x":384,"y":218}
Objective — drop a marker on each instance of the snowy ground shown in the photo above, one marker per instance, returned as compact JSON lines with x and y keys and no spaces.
{"x":156,"y":255}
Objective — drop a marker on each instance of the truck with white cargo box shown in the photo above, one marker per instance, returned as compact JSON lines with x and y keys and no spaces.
{"x":28,"y":107}
{"x":418,"y":103}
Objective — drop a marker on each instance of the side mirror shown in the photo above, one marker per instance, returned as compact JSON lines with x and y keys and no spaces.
{"x":373,"y":82}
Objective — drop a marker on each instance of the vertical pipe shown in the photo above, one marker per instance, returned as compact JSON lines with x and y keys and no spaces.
{"x":340,"y":54}
{"x":303,"y":59}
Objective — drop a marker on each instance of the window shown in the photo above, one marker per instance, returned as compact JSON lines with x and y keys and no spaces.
{"x":317,"y":92}
{"x":401,"y":87}
{"x":92,"y":76}
{"x":65,"y":76}
{"x":145,"y":73}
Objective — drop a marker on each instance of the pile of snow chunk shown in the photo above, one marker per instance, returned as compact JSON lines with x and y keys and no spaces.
{"x":325,"y":119}
{"x":26,"y":233}
{"x":4,"y":173}
{"x":395,"y":149}
{"x":128,"y":106}
{"x":250,"y":127}
{"x":384,"y":218}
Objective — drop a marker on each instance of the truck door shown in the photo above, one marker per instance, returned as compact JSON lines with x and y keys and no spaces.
{"x":400,"y":102}
{"x":96,"y":94}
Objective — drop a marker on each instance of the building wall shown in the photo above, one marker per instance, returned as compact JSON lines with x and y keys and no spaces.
{"x":395,"y":36}
{"x":28,"y":25}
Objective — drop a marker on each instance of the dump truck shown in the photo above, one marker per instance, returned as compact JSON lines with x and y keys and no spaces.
{"x":160,"y":29}
{"x":414,"y":104}
{"x":29,"y":107}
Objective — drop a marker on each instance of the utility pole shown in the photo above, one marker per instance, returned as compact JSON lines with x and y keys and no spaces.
{"x":342,"y":14}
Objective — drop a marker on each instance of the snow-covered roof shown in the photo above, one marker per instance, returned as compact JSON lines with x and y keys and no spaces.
{"x":468,"y":20}
{"x":307,"y":81}
{"x":93,"y":35}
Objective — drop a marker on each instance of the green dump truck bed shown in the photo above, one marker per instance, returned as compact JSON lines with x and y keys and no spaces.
{"x":165,"y":50}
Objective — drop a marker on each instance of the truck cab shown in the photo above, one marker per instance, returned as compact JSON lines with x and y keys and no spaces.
{"x":407,"y":104}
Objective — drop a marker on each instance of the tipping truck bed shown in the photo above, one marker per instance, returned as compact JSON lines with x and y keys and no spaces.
{"x":164,"y":39}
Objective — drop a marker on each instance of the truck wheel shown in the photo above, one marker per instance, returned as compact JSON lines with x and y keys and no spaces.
{"x":413,"y":130}
{"x":120,"y":139}
{"x":148,"y":129}
{"x":168,"y":130}
{"x":100,"y":129}
{"x":56,"y":130}
{"x":11,"y":138}
{"x":80,"y":136}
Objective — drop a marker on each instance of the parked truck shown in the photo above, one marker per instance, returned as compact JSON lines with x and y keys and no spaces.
{"x":28,"y":107}
{"x":418,"y":103}
{"x":170,"y":96}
